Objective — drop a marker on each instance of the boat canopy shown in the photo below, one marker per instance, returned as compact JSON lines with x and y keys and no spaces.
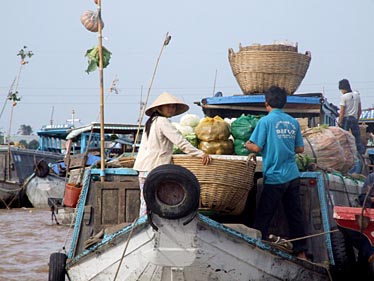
{"x":306,"y":105}
{"x":108,"y":129}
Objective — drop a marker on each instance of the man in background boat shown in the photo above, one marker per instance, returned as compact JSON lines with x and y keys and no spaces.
{"x":156,"y":147}
{"x":350,"y":112}
{"x":278,"y":137}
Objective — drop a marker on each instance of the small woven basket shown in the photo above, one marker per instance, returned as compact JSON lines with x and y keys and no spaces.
{"x":257,"y":68}
{"x":224,"y":183}
{"x":123,"y":161}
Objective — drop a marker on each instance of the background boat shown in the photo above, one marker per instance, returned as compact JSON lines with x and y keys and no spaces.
{"x":18,"y":164}
{"x":80,"y":150}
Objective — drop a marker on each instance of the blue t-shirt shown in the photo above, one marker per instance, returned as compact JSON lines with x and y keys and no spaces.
{"x":278,"y":134}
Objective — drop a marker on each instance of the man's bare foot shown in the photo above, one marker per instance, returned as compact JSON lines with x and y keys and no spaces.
{"x":302,"y":256}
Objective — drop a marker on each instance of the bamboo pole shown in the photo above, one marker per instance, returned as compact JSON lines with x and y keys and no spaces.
{"x":101,"y":71}
{"x":15,"y":91}
{"x":214,"y":84}
{"x":165,"y":43}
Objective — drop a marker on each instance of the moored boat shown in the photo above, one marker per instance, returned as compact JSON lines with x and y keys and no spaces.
{"x":77,"y":147}
{"x":39,"y":189}
{"x":173,"y":241}
{"x":18,"y":164}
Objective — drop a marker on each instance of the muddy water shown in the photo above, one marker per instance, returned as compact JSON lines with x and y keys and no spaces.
{"x":27,"y":238}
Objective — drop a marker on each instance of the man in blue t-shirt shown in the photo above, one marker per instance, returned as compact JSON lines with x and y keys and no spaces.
{"x":278,"y":137}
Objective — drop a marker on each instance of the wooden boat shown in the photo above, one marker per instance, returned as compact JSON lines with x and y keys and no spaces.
{"x":17,"y":165}
{"x":108,"y":211}
{"x":78,"y":147}
{"x":39,"y":189}
{"x":173,"y":242}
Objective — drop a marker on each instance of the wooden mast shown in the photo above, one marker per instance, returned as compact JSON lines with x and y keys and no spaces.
{"x":101,"y":71}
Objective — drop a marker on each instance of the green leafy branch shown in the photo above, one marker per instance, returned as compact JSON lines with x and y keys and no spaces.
{"x":94,"y":58}
{"x":24,"y":53}
{"x":13,"y":96}
{"x":304,"y":162}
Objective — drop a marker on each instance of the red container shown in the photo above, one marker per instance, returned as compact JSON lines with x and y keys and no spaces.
{"x":71,"y":195}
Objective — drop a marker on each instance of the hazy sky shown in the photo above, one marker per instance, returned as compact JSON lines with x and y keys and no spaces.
{"x":339,"y":35}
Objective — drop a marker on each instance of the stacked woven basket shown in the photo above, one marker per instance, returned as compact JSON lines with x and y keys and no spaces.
{"x":258,"y":67}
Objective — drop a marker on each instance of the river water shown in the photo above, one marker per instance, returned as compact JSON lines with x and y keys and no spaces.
{"x":27,"y":238}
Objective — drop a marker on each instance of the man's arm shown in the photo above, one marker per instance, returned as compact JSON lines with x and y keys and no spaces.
{"x":341,"y":114}
{"x":299,"y":149}
{"x":359,"y":111}
{"x":252,"y":146}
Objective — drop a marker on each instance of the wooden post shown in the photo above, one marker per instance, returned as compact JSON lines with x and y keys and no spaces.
{"x":101,"y":71}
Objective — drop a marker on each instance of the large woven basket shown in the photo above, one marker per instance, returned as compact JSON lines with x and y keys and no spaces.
{"x":224,"y":184}
{"x":271,"y":47}
{"x":257,"y":68}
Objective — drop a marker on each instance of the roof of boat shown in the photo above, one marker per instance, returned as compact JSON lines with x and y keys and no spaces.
{"x":57,"y":131}
{"x":300,"y":105}
{"x":367,"y":115}
{"x":108,"y":128}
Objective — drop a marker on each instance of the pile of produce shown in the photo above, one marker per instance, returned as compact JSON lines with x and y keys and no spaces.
{"x":187,"y":127}
{"x":213,"y":135}
{"x":324,"y":147}
{"x":217,"y":135}
{"x":348,"y":143}
{"x":241,"y":130}
{"x":331,"y":147}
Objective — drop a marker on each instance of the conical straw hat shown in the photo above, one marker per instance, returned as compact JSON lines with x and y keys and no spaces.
{"x":166,"y":98}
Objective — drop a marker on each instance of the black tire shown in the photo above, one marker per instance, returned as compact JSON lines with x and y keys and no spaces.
{"x":57,"y":263}
{"x":181,"y":179}
{"x":344,"y":255}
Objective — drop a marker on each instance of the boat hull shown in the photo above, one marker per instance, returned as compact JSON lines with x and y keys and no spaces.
{"x":17,"y":165}
{"x":163,"y":246}
{"x":201,"y":250}
{"x":38,"y":189}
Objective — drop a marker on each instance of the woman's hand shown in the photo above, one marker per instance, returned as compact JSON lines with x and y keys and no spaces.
{"x":206,"y":159}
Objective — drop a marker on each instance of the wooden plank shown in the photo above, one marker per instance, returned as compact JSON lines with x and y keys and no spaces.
{"x":117,"y":202}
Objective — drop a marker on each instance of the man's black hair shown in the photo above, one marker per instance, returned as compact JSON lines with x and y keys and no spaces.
{"x":344,"y":85}
{"x":276,"y":97}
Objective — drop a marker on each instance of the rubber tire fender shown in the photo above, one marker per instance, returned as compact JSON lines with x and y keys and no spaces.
{"x":57,"y":263}
{"x":343,"y":254}
{"x":41,"y":169}
{"x":172,"y":173}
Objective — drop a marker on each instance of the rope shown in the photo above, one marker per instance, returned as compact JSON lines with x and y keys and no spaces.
{"x":345,"y":188}
{"x":368,"y":193}
{"x":19,"y":191}
{"x":315,"y":235}
{"x":311,"y":235}
{"x":311,"y":148}
{"x":6,"y":205}
{"x":124,"y":251}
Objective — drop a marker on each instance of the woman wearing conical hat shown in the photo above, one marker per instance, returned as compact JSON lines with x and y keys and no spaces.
{"x":159,"y":137}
